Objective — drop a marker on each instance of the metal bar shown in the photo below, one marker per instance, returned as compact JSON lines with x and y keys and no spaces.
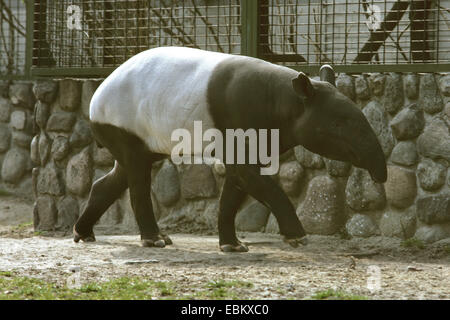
{"x":438,"y":22}
{"x":249,"y":22}
{"x":384,"y":44}
{"x":82,"y":72}
{"x":308,"y":36}
{"x":285,"y":58}
{"x":206,"y":27}
{"x":320,"y":32}
{"x":370,"y":68}
{"x":284,"y":28}
{"x":359,"y":26}
{"x":333,"y":26}
{"x":29,"y":38}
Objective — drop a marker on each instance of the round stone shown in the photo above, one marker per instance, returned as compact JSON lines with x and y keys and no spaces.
{"x":166,"y":184}
{"x":398,"y":224}
{"x":401,"y":188}
{"x":379,"y":122}
{"x":308,"y":159}
{"x":45,"y":91}
{"x":14,"y":165}
{"x":60,"y":148}
{"x":362,"y":193}
{"x":290,"y":175}
{"x":345,"y":85}
{"x":360,"y":225}
{"x":322,"y":210}
{"x":411,"y":86}
{"x":362,"y":88}
{"x":405,"y":153}
{"x":5,"y":138}
{"x":376,"y":83}
{"x":78,"y":173}
{"x":198,"y":181}
{"x":431,"y":174}
{"x":434,"y":142}
{"x":408,"y":123}
{"x":429,"y":97}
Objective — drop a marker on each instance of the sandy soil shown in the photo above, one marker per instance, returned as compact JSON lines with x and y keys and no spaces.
{"x":378,"y":268}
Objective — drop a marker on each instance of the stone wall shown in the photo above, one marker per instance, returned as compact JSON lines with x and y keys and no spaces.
{"x":66,"y":158}
{"x":410,"y":113}
{"x":16,"y":131}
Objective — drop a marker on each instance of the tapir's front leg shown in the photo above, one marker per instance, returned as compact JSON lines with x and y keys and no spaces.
{"x":230,"y":201}
{"x":139,"y":182}
{"x":269,"y":193}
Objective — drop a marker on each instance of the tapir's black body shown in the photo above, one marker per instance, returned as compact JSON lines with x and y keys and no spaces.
{"x":244,"y":94}
{"x":241,"y":96}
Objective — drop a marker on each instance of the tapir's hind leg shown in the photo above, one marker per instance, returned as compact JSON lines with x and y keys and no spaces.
{"x":103,"y":193}
{"x":132,"y":170}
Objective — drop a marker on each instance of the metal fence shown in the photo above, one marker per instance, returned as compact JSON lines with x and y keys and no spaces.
{"x":92,"y":37}
{"x":83,"y":35}
{"x":375,"y":32}
{"x":13,"y":32}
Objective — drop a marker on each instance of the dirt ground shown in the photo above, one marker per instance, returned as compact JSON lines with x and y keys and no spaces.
{"x":376,"y":268}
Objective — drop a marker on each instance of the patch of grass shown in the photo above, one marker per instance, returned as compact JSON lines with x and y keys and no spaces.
{"x":15,"y":287}
{"x":229,"y":284}
{"x":220,"y":293}
{"x":222,"y":289}
{"x":6,"y":274}
{"x":165,"y":289}
{"x":332,"y":294}
{"x":413,"y":243}
{"x":447,"y":248}
{"x":90,"y":287}
{"x":23,"y":226}
{"x":4,"y":193}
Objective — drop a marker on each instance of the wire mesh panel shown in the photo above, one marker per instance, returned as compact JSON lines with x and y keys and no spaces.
{"x":102,"y":33}
{"x":12,"y":37}
{"x":344,"y":32}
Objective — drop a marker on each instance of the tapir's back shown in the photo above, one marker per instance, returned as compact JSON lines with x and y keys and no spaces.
{"x":156,"y":92}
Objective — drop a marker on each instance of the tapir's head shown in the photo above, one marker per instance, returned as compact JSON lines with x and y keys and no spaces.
{"x":333,"y":126}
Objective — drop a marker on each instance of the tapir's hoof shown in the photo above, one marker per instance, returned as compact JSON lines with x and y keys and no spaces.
{"x":166,"y":238}
{"x":233,"y":248}
{"x":148,"y":243}
{"x":77,"y":237}
{"x":159,"y":241}
{"x":296,"y":241}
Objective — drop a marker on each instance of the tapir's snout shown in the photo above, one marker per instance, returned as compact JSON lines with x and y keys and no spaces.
{"x":336,"y":128}
{"x":378,"y":169}
{"x":369,"y":152}
{"x":379,"y":177}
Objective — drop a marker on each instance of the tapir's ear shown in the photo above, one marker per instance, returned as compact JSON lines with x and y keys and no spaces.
{"x":327,"y":74}
{"x":303,"y":86}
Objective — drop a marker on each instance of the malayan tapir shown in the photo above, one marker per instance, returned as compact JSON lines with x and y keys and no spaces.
{"x":135,"y":110}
